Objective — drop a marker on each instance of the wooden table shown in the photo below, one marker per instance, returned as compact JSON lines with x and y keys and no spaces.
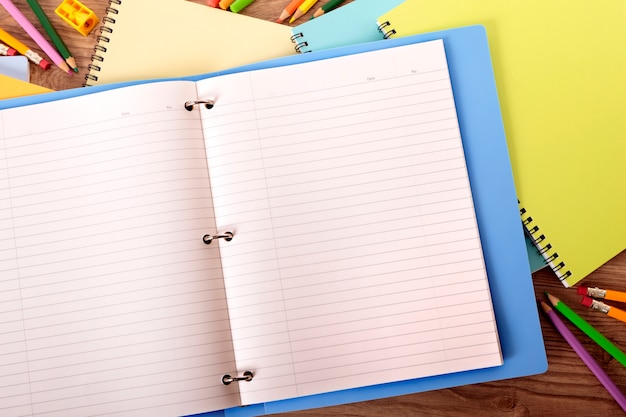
{"x":567,"y":389}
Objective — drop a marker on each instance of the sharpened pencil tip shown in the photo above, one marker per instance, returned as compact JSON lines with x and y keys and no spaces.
{"x":552,"y":299}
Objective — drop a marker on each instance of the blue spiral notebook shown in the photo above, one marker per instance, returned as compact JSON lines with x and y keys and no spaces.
{"x":120,"y":383}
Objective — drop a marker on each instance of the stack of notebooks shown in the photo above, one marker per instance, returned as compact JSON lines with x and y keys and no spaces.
{"x":242,"y":243}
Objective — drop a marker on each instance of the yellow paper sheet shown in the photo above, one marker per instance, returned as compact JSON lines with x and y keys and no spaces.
{"x":12,"y":88}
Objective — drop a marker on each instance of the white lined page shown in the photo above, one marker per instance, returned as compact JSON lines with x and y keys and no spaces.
{"x":111,"y":302}
{"x":356,"y":258}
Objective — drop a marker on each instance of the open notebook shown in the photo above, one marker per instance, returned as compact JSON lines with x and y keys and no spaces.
{"x":355,"y":257}
{"x":560,"y":74}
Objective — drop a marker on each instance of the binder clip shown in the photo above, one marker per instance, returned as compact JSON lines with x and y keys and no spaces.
{"x":77,"y":15}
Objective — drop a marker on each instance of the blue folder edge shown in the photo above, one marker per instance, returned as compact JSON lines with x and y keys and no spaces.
{"x":495,"y":200}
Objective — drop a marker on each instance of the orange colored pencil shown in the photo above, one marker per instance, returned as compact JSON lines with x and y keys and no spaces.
{"x":610,"y":311}
{"x":225,"y":4}
{"x":301,"y":10}
{"x":596,"y":292}
{"x":289,"y":10}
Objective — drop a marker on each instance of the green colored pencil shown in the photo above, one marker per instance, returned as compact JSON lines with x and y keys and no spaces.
{"x":588,"y":329}
{"x":54,"y":36}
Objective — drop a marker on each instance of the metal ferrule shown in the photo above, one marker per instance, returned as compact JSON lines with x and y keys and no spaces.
{"x":596,"y":292}
{"x":600,"y":306}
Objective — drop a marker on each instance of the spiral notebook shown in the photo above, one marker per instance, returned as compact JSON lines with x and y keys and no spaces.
{"x":143,"y":39}
{"x":560,"y":72}
{"x":348,"y":25}
{"x":246,"y":238}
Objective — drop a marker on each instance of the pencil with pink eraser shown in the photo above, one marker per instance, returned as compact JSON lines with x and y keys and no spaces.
{"x":7,"y":50}
{"x":596,"y":292}
{"x":20,"y":47}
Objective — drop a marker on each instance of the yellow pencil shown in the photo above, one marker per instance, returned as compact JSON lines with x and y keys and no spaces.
{"x":23,"y":49}
{"x":302,"y":9}
{"x":610,"y":311}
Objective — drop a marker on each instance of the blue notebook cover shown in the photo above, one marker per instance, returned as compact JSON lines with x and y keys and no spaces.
{"x":496,"y":207}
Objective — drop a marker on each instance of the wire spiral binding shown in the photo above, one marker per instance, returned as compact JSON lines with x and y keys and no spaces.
{"x":227,"y":236}
{"x":299,"y":45}
{"x":386,"y":30}
{"x":99,"y":49}
{"x":247,"y":376}
{"x":544,"y":248}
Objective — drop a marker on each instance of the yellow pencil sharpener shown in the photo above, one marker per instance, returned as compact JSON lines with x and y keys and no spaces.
{"x":75,"y":14}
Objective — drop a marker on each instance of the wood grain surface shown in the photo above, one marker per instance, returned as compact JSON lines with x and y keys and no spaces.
{"x":568,"y":388}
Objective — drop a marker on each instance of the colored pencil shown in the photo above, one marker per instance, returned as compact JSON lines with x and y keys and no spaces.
{"x":239,"y":5}
{"x":23,"y":49}
{"x":225,"y":4}
{"x":610,"y":311}
{"x":35,"y":35}
{"x":302,"y":9}
{"x":213,"y":3}
{"x":327,"y":7}
{"x":289,"y":9}
{"x":7,"y":50}
{"x":588,"y":329}
{"x":596,"y":292}
{"x":602,"y":376}
{"x":53,"y":34}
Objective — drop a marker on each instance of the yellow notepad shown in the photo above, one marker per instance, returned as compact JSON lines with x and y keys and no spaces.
{"x":560,"y":68}
{"x":144,"y":39}
{"x":12,"y":87}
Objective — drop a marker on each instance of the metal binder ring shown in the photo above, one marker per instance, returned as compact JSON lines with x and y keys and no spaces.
{"x":227,"y":236}
{"x":189,"y":105}
{"x":247,"y":376}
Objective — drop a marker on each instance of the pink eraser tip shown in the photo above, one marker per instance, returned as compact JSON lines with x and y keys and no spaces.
{"x":11,"y":52}
{"x":582,"y":290}
{"x":44,"y":64}
{"x":586,"y":301}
